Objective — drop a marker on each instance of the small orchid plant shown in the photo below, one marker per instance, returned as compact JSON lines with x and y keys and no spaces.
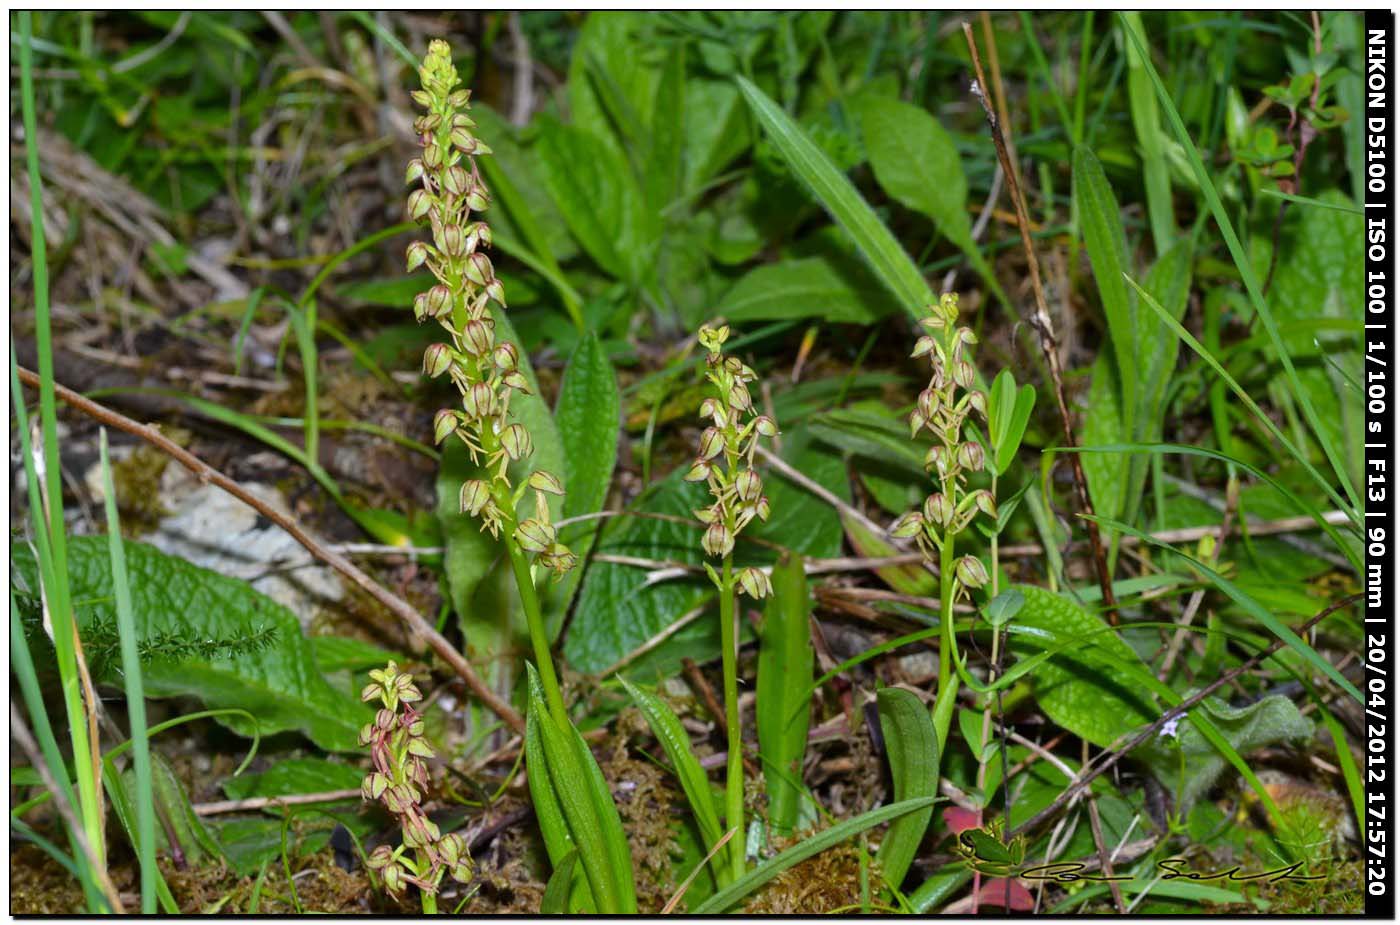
{"x":725,"y":463}
{"x":400,"y":754}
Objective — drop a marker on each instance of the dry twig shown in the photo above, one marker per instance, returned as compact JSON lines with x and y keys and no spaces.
{"x":396,"y":605}
{"x":1040,"y":320}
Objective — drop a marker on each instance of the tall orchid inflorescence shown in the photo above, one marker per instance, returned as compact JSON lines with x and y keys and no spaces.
{"x":943,"y":409}
{"x":485,"y":371}
{"x":399,"y":753}
{"x":725,"y":460}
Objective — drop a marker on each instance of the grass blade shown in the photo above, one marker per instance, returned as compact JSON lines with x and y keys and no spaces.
{"x":1249,"y":403}
{"x":798,"y":853}
{"x":135,"y":692}
{"x":1252,"y":607}
{"x":54,"y":547}
{"x":1147,"y":124}
{"x":1242,"y":265}
{"x":840,"y":199}
{"x":674,"y":741}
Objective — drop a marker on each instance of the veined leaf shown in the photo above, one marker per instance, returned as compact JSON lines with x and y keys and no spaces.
{"x":841,"y":201}
{"x":175,"y":600}
{"x":917,"y":163}
{"x":912,"y":747}
{"x":599,"y":197}
{"x":588,"y":416}
{"x":785,"y":658}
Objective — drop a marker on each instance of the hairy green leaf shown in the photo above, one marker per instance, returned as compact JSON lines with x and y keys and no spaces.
{"x":1187,"y":764}
{"x":588,"y":416}
{"x":177,"y":607}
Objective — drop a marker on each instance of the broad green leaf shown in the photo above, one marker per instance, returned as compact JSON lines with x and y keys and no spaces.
{"x":588,"y":415}
{"x":716,"y":130}
{"x":840,"y":199}
{"x":620,"y":608}
{"x":1008,"y":411}
{"x":664,"y":166}
{"x":785,"y":659}
{"x":175,"y":600}
{"x":611,"y":58}
{"x":599,"y":197}
{"x":912,"y":747}
{"x":1102,"y":225}
{"x":483,"y":593}
{"x":727,"y":897}
{"x":587,"y":806}
{"x":1187,"y":764}
{"x":916,"y":162}
{"x":810,"y":287}
{"x":676,"y":743}
{"x":1092,"y":698}
{"x":294,"y":776}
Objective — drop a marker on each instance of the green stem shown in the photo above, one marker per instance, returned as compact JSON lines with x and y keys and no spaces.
{"x":947,"y":681}
{"x":734,"y":773}
{"x":429,"y":902}
{"x":945,"y":614}
{"x":534,"y":620}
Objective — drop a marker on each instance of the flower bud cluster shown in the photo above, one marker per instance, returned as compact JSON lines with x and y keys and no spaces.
{"x":943,"y":408}
{"x":399,"y":754}
{"x":725,"y":460}
{"x":486,"y":372}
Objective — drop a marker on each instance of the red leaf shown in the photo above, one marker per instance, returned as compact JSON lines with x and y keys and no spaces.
{"x":958,"y":819}
{"x":993,"y":893}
